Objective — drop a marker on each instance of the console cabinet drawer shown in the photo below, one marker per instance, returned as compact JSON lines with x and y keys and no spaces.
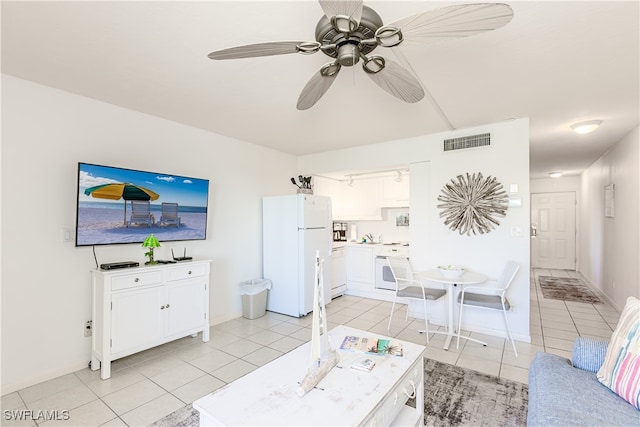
{"x":136,"y":280}
{"x":186,"y":272}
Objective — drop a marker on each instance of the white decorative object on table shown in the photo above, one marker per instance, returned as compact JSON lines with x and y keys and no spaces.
{"x":323,"y":357}
{"x":451,"y":271}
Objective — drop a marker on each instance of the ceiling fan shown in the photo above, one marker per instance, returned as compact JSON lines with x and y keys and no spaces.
{"x":350,"y":31}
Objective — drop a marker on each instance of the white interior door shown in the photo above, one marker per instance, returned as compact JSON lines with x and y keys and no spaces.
{"x":553,"y":230}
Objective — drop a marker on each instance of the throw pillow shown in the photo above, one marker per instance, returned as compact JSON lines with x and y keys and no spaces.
{"x":621,"y":368}
{"x":589,"y":354}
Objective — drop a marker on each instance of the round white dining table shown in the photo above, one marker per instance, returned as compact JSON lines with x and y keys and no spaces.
{"x":468,"y":278}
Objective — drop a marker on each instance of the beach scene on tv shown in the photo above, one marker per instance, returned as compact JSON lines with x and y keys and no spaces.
{"x":118,"y":205}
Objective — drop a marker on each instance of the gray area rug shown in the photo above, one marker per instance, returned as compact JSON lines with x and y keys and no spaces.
{"x":453,"y":396}
{"x":183,"y":417}
{"x":567,"y":289}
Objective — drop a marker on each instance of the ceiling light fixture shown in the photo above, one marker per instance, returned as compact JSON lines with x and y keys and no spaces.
{"x":586,"y":127}
{"x":350,"y":182}
{"x":398,"y":177}
{"x":555,"y":174}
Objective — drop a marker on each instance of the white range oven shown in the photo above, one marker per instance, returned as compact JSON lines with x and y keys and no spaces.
{"x":383,"y":276}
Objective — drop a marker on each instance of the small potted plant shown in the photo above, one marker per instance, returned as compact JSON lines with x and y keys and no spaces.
{"x":150,"y":242}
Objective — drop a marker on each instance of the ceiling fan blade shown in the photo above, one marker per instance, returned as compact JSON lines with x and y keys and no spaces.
{"x":454,"y":22}
{"x":397,"y":81}
{"x":346,"y":8}
{"x":318,"y":85}
{"x":265,"y":49}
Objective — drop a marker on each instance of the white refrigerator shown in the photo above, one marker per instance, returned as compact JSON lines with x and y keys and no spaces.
{"x":295,"y":227}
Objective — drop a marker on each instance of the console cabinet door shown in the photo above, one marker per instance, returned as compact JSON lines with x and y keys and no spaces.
{"x":185,"y":307}
{"x":136,"y":319}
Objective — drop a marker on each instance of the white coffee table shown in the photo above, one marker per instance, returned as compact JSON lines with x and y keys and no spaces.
{"x":345,"y":397}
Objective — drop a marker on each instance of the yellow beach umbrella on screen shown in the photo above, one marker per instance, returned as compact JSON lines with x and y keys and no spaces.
{"x":123,"y":190}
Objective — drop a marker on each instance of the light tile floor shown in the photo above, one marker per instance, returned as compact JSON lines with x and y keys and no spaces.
{"x":147,"y":386}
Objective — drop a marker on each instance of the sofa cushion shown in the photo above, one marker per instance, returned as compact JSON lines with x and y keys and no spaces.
{"x":561,"y":395}
{"x":621,"y":368}
{"x":589,"y":353}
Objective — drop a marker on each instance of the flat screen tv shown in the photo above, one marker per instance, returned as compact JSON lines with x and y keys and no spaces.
{"x":117,"y":205}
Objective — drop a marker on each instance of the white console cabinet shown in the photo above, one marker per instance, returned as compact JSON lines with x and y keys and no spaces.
{"x":138,"y":308}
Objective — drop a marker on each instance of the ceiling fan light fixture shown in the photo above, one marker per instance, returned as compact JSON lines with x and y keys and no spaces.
{"x":344,"y":24}
{"x":556,"y":174}
{"x":389,"y":36}
{"x":330,"y":69}
{"x":586,"y":127}
{"x":374,"y":64}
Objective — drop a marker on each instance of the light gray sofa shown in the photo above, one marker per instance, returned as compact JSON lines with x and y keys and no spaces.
{"x":562,"y":393}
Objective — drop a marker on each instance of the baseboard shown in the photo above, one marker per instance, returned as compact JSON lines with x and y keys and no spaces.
{"x":501,"y":333}
{"x":71,"y":368}
{"x":599,"y":292}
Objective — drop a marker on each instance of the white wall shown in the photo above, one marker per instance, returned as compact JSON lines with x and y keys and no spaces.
{"x":432,"y":243}
{"x":46,"y":292}
{"x":610,"y":248}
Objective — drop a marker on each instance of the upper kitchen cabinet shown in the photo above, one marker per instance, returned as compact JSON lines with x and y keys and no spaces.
{"x":362,"y":199}
{"x":394,"y":191}
{"x":358,"y":200}
{"x":331,"y":188}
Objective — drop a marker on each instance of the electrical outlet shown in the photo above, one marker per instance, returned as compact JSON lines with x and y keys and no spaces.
{"x":88,"y":328}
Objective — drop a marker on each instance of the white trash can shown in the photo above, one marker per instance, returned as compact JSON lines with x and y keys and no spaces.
{"x":254,"y":297}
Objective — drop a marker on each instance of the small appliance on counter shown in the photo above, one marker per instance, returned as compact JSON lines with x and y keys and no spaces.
{"x":339,"y":231}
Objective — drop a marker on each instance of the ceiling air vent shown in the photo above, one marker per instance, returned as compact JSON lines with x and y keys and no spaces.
{"x":471,"y":141}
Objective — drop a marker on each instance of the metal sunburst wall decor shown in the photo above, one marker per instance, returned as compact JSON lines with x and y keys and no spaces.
{"x":472,"y":204}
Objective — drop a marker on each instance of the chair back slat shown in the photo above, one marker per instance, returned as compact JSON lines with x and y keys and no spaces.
{"x":508,"y":274}
{"x":400,"y":268}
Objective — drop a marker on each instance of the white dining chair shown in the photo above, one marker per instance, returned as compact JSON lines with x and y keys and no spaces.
{"x":408,"y":286}
{"x":490,"y":298}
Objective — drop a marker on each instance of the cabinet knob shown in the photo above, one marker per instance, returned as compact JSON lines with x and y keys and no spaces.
{"x":167,"y":305}
{"x":136,"y":280}
{"x":162,"y":308}
{"x":189,"y":272}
